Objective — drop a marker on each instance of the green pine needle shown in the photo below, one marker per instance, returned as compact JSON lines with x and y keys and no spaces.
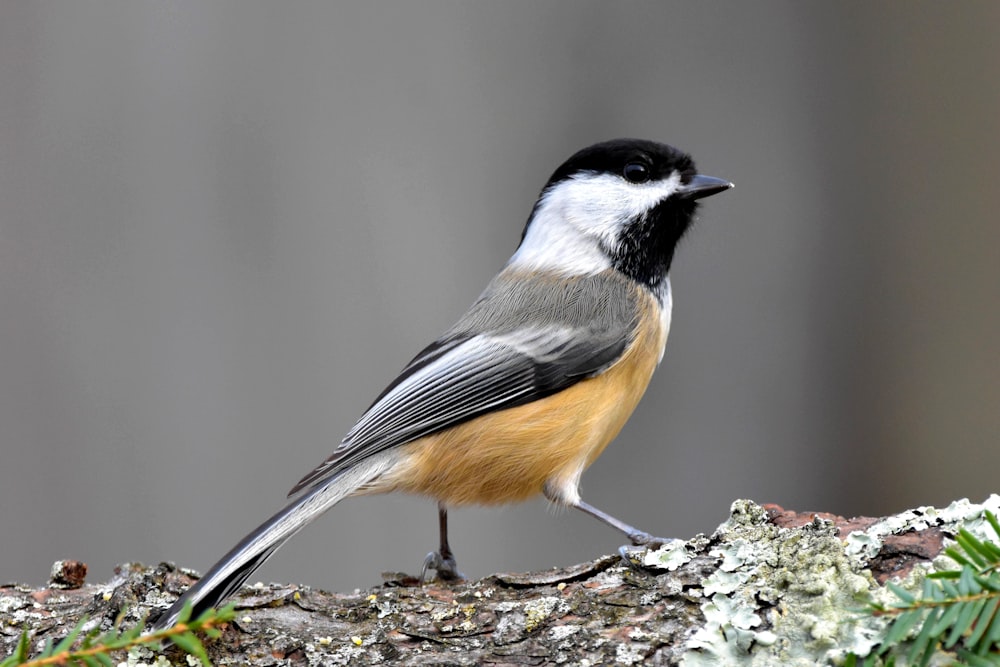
{"x":94,"y":648}
{"x":956,"y":610}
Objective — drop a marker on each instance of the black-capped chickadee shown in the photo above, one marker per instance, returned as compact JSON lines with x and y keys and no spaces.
{"x":532,"y":383}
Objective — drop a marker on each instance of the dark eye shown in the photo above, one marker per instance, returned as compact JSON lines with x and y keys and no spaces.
{"x":636,"y":172}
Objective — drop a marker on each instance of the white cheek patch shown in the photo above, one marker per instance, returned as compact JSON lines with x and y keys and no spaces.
{"x":553,"y":244}
{"x":578,"y":216}
{"x":599,"y":204}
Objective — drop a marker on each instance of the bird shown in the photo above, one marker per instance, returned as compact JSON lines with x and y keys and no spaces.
{"x":524,"y":392}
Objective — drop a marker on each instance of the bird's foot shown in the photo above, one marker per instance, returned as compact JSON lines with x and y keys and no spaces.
{"x":633,"y":557}
{"x":641,"y":538}
{"x":445,"y":566}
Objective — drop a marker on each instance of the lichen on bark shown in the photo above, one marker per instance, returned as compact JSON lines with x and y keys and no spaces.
{"x":767,"y":587}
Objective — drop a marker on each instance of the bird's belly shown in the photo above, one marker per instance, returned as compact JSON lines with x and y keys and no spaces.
{"x":510,"y":455}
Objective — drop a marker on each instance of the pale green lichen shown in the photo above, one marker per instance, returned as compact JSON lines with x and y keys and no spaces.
{"x":630,"y":654}
{"x":796,"y":596}
{"x":445,"y":613}
{"x":668,"y":557}
{"x":536,"y":611}
{"x":560,"y":632}
{"x":865,"y":544}
{"x":960,"y":514}
{"x":140,"y":656}
{"x":779,"y":596}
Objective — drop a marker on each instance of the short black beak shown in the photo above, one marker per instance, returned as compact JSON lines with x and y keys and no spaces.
{"x":702,"y":186}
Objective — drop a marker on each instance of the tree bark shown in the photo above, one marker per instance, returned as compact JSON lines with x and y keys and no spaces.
{"x":768,"y":587}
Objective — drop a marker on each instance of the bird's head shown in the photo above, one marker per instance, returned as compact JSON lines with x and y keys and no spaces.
{"x":621,"y":204}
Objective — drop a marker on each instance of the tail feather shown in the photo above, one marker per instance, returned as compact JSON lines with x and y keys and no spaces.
{"x":233,"y":569}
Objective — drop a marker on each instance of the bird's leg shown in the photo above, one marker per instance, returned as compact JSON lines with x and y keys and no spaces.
{"x":568,"y":495}
{"x":638,"y":537}
{"x":442,"y":561}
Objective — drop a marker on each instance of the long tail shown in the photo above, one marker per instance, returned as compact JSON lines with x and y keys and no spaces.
{"x":226,"y":576}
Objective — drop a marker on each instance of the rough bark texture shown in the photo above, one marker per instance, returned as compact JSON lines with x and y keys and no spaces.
{"x":768,"y":587}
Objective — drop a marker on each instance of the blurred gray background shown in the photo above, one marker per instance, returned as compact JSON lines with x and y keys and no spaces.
{"x":224,"y":227}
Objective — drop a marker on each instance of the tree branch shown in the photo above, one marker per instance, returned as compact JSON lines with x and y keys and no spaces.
{"x":768,"y":587}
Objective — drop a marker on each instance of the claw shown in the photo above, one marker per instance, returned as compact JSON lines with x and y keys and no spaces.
{"x":634,"y":557}
{"x":446,"y":568}
{"x":643,"y":539}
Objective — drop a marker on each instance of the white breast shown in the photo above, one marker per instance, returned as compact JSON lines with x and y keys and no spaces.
{"x":666,"y":299}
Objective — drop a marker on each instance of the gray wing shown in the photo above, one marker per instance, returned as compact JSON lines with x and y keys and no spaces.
{"x":519,"y":343}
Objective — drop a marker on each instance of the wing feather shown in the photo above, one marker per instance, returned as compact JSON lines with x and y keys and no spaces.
{"x":520,"y":342}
